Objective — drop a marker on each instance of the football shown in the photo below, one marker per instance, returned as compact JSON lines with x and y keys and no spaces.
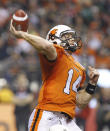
{"x":20,"y":20}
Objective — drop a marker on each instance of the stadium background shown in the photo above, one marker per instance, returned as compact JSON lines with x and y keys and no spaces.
{"x":20,"y":76}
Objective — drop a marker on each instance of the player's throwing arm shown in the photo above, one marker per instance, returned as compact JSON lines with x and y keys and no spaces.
{"x":40,"y":44}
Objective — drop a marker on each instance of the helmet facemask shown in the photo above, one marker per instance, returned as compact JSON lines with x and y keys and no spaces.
{"x":68,"y":40}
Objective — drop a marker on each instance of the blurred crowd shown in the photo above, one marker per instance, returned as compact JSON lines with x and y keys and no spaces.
{"x":19,"y":65}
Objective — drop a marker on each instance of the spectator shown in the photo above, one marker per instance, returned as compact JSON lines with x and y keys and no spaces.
{"x":22,"y":101}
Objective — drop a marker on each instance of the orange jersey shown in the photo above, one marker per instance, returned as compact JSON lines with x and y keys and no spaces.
{"x":61,"y":79}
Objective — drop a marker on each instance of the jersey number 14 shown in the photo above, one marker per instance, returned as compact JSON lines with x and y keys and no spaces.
{"x":68,"y":82}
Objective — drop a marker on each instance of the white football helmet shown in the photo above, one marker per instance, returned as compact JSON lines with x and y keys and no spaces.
{"x":55,"y":35}
{"x":58,"y":128}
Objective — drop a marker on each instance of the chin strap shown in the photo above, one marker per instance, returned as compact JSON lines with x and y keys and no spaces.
{"x":71,"y":48}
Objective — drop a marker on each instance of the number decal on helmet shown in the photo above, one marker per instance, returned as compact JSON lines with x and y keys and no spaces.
{"x":52,"y":34}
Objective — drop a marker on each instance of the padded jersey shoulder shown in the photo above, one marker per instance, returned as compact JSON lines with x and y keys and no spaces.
{"x":60,"y":52}
{"x":80,"y":66}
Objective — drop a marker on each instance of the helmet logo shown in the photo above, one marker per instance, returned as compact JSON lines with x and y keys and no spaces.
{"x":52,"y":34}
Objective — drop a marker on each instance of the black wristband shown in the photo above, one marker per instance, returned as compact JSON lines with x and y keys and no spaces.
{"x":90,"y":89}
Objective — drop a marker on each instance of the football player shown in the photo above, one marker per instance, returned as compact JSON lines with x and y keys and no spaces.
{"x":62,"y":78}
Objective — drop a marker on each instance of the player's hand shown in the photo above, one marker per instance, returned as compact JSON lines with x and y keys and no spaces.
{"x":93,"y":75}
{"x":18,"y":34}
